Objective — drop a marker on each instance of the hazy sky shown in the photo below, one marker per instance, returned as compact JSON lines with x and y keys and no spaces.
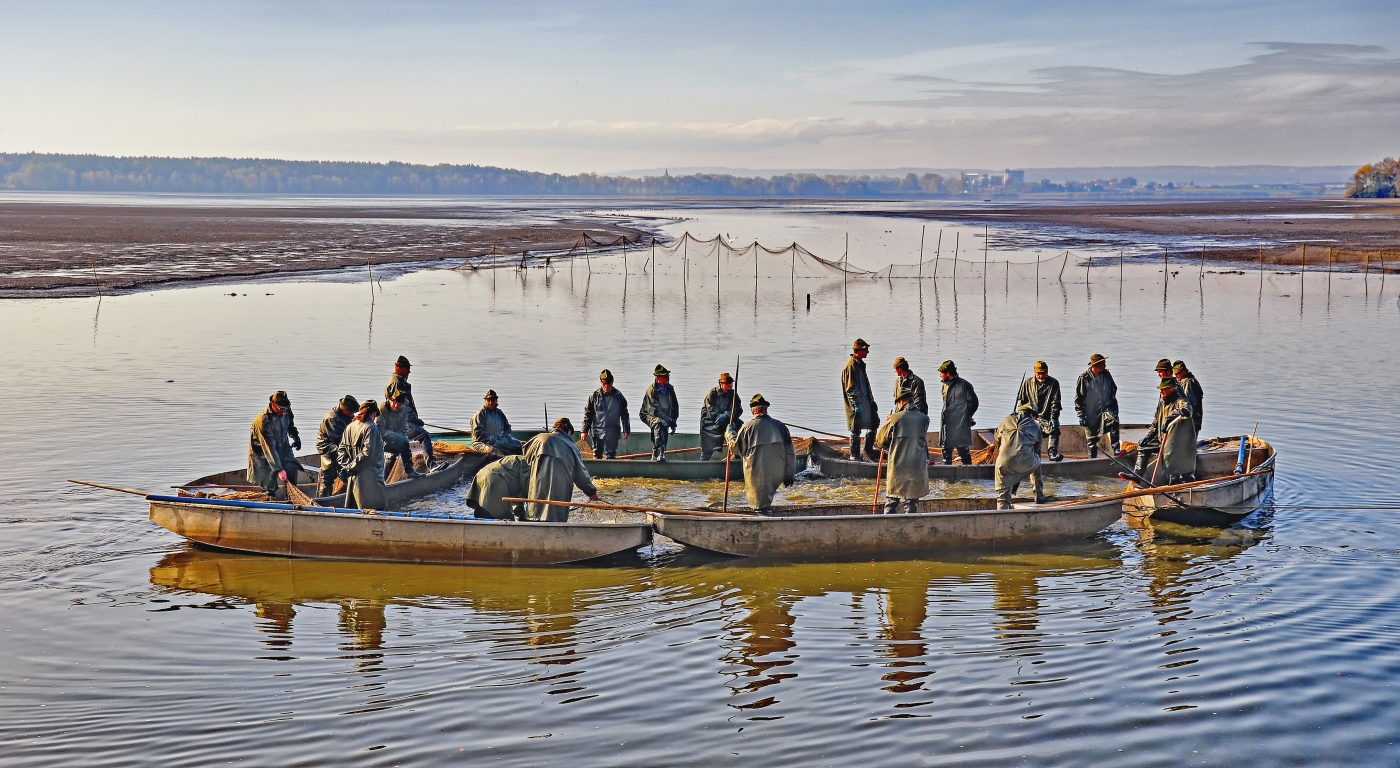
{"x":613,"y":86}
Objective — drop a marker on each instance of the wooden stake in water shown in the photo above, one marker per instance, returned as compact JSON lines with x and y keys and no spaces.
{"x":921,"y":250}
{"x":937,"y":254}
{"x":986,"y":239}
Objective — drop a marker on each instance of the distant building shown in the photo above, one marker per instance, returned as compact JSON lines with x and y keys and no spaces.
{"x":1014,"y":177}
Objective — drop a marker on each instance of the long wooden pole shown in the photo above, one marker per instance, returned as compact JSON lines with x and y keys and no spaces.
{"x":817,"y":431}
{"x":623,"y":507}
{"x":729,"y":449}
{"x":110,"y":488}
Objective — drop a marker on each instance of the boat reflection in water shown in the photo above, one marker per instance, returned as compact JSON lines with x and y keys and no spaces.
{"x":930,"y":629}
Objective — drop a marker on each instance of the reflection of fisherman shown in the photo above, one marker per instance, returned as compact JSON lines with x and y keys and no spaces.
{"x":765,"y":445}
{"x":556,"y":466}
{"x":491,"y":428}
{"x":1172,"y":434}
{"x":904,"y":436}
{"x":1018,"y":457}
{"x":270,"y":456}
{"x":605,"y":418}
{"x":906,"y":381}
{"x":1042,"y":393}
{"x":328,"y":442}
{"x":1096,"y":402}
{"x":959,"y":406}
{"x":507,"y":478}
{"x":718,"y":415}
{"x":1190,"y":388}
{"x":861,"y":412}
{"x":660,"y":409}
{"x":362,"y":459}
{"x":393,"y":425}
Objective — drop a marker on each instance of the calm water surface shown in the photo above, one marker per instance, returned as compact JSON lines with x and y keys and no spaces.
{"x":1273,"y":641}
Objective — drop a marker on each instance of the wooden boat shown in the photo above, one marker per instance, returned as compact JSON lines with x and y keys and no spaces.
{"x":1244,"y":475}
{"x":834,"y":462}
{"x":846,"y":531}
{"x":683,"y":460}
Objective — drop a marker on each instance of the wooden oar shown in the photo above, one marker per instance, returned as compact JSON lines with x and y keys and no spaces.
{"x":110,"y":488}
{"x":651,"y":453}
{"x":625,"y":508}
{"x":449,"y":429}
{"x":817,"y":431}
{"x":1160,"y":489}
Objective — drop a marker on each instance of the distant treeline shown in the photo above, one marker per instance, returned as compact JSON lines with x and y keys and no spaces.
{"x":93,"y":173}
{"x":1375,"y":180}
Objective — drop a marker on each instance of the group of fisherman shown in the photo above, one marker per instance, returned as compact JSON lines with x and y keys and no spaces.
{"x":354,"y":437}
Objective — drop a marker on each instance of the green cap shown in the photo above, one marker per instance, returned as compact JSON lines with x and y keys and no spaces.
{"x":563,"y":424}
{"x":606,"y":376}
{"x":370,"y":406}
{"x":490,"y":395}
{"x":398,"y":395}
{"x":858,"y":345}
{"x":757,"y":400}
{"x":901,"y":363}
{"x":1025,"y":408}
{"x":948,"y":367}
{"x":349,"y":403}
{"x":1167,"y":383}
{"x":1178,"y":366}
{"x":660,"y":370}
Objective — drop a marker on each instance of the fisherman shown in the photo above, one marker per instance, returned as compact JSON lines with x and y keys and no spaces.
{"x":328,"y":442}
{"x":393,"y":423}
{"x":556,"y":466}
{"x":1018,"y":455}
{"x":660,"y":408}
{"x":904,"y":438}
{"x":361,"y":457}
{"x":718,"y":416}
{"x":270,"y":456}
{"x":491,"y":428}
{"x":861,"y":412}
{"x":765,"y":445}
{"x":1096,"y":402}
{"x":399,"y":381}
{"x":1042,"y":393}
{"x":906,"y":381}
{"x":1190,"y":388}
{"x":959,"y":406}
{"x":508,"y":478}
{"x":605,"y":418}
{"x":1170,"y":443}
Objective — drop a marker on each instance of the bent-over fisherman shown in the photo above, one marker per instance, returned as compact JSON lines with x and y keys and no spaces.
{"x":959,"y":406}
{"x":719,"y":415}
{"x":328,"y":442}
{"x":394,"y":425}
{"x":1170,"y":443}
{"x":362,"y":459}
{"x":556,"y":466}
{"x":270,"y":456}
{"x":1190,"y":388}
{"x":862,"y":415}
{"x":507,"y":478}
{"x":1042,"y":393}
{"x":1018,"y":455}
{"x":660,"y":409}
{"x":1096,"y":403}
{"x":491,"y":428}
{"x":605,"y":418}
{"x":765,"y":445}
{"x":906,"y":381}
{"x":904,"y":437}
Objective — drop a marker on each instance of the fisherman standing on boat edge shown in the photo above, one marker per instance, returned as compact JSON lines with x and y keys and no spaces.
{"x":605,"y":418}
{"x":660,"y":409}
{"x":1042,"y":393}
{"x":959,"y":406}
{"x":491,"y":428}
{"x":765,"y":446}
{"x":906,"y":381}
{"x":904,"y":438}
{"x":862,"y":415}
{"x":719,"y":415}
{"x":1096,"y":403}
{"x":328,"y":442}
{"x":270,"y":456}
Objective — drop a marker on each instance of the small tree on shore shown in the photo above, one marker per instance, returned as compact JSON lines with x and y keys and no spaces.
{"x":1375,"y":179}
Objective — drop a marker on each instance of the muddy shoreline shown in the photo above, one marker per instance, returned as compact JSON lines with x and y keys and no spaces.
{"x":1360,"y":234}
{"x":56,"y":249}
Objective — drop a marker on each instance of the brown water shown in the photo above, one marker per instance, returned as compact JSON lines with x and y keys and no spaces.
{"x":1272,"y":641}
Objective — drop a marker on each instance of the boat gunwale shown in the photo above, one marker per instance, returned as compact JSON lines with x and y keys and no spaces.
{"x":1088,"y":503}
{"x":396,"y":517}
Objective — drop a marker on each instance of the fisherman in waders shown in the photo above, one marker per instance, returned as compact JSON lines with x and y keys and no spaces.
{"x":904,"y":438}
{"x":270,"y":456}
{"x":1096,"y":403}
{"x":362,"y":459}
{"x":1018,"y":456}
{"x":1167,"y":453}
{"x":1042,"y":393}
{"x":765,"y":446}
{"x":906,"y":381}
{"x":1190,"y":388}
{"x":718,"y":416}
{"x":556,"y":467}
{"x":328,"y":442}
{"x":508,"y":478}
{"x":491,"y":428}
{"x":660,"y":409}
{"x":394,"y":426}
{"x":956,"y":423}
{"x":862,"y":415}
{"x":605,"y":418}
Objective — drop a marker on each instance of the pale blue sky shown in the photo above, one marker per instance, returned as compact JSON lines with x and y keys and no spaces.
{"x":612,"y":86}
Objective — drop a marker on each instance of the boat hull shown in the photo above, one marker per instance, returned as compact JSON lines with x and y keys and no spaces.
{"x":951,"y":524}
{"x":272,"y":530}
{"x":1232,"y":496}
